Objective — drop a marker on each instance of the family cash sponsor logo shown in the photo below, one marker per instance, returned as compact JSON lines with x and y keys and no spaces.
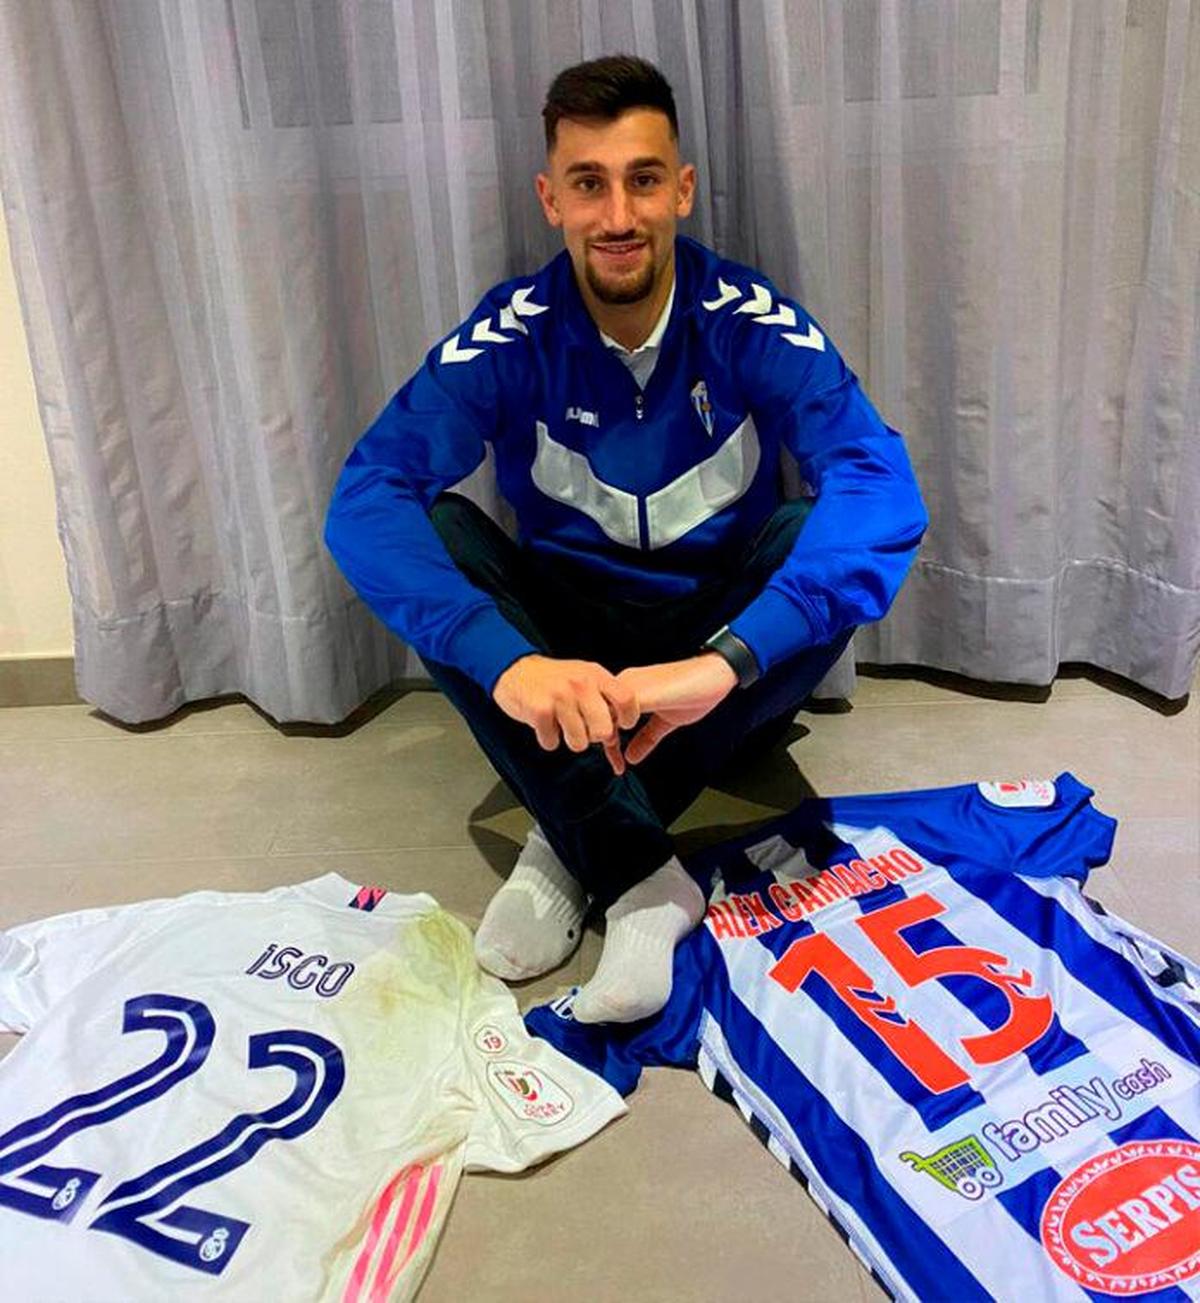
{"x":531,"y":1093}
{"x":1127,"y":1222}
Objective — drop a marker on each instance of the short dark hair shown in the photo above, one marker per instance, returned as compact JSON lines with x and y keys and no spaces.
{"x":605,"y":88}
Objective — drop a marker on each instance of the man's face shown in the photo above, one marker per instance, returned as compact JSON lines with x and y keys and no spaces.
{"x":618,"y":191}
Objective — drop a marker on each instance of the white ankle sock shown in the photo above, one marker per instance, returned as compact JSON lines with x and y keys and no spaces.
{"x":633,"y":978}
{"x":535,"y":920}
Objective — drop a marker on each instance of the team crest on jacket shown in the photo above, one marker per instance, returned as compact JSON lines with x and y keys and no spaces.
{"x":703,"y":407}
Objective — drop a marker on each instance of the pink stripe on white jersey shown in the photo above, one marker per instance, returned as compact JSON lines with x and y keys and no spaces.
{"x":383,"y":1207}
{"x":384,"y":1277}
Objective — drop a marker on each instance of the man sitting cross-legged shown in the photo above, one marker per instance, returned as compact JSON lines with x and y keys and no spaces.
{"x":662,"y":607}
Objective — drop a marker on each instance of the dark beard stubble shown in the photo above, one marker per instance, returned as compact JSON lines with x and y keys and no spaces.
{"x":633,"y":291}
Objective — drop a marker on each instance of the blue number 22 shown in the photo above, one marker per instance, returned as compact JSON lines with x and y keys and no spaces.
{"x":188,"y":1026}
{"x":147,"y":1208}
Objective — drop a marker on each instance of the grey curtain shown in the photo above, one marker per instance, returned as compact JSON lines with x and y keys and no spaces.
{"x":237,"y":225}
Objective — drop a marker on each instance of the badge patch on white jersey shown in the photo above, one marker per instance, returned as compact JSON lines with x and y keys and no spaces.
{"x":530,"y":1093}
{"x":490,"y":1040}
{"x":1019,"y":793}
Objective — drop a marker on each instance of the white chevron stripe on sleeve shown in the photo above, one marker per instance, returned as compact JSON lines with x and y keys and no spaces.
{"x":766,"y":312}
{"x":727,"y":294}
{"x":484,"y":334}
{"x":760,"y":303}
{"x":813,"y":339}
{"x":782,"y":316}
{"x":452,"y":353}
{"x":522,"y":307}
{"x":509,"y":320}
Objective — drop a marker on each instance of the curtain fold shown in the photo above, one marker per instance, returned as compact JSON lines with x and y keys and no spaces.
{"x":237,"y":225}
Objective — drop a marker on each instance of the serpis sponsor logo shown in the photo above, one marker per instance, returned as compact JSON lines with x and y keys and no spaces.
{"x":1128,"y":1221}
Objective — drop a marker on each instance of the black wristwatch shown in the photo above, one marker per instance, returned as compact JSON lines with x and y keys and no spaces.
{"x":732,"y":649}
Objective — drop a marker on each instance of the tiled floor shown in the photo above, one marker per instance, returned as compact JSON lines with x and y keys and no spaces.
{"x":676,"y":1201}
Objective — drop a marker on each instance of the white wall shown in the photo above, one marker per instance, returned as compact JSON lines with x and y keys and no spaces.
{"x":35,"y":610}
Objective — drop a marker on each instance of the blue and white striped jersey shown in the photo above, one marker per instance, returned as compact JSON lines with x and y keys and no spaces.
{"x":990,"y":1084}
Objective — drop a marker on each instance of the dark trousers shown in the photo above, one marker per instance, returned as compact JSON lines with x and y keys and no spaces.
{"x":611,"y":832}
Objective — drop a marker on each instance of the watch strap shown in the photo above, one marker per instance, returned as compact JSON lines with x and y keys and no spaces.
{"x":732,"y":649}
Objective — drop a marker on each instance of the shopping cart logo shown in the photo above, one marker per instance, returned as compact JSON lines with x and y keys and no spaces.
{"x":964,"y":1166}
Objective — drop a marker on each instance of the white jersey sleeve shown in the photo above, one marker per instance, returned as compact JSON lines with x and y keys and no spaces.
{"x":533,"y":1101}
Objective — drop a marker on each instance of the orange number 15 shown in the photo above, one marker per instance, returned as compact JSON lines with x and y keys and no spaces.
{"x":1028,"y":1015}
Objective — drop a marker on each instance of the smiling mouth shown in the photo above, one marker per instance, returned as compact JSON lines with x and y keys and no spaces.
{"x":620,"y":251}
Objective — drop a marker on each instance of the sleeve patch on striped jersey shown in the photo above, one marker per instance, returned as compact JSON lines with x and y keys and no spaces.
{"x":1020,"y":793}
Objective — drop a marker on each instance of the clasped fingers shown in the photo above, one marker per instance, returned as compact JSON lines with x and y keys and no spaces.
{"x":576,"y":702}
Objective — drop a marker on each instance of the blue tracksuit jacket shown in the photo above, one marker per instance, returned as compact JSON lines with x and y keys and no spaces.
{"x":645,"y":494}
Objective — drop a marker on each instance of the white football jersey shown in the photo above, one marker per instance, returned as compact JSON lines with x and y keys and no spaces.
{"x":259,"y":1096}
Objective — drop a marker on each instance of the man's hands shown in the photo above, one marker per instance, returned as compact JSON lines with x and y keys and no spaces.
{"x":673,"y":695}
{"x":580,"y":702}
{"x":576,"y":702}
